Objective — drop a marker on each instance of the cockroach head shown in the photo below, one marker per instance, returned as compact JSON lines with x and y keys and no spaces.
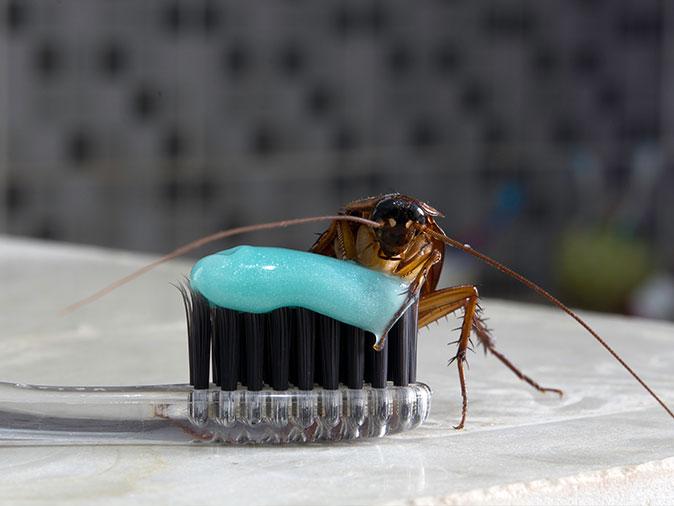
{"x":399,"y":218}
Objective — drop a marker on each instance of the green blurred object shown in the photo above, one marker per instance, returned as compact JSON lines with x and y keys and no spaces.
{"x":599,"y":268}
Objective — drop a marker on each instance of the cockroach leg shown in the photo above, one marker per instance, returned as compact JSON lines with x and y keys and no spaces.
{"x":440,"y":303}
{"x":417,"y":268}
{"x":486,"y":340}
{"x":345,"y":242}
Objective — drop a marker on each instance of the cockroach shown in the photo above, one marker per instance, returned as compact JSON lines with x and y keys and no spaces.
{"x":399,"y":235}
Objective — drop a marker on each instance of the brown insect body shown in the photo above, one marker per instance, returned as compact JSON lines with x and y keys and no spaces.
{"x":397,"y":247}
{"x":405,"y":244}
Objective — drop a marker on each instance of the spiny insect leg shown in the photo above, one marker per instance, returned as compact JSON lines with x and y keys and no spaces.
{"x":486,"y":340}
{"x":345,"y":244}
{"x":437,"y":304}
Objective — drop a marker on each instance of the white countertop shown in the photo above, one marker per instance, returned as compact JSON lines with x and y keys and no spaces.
{"x":606,"y":441}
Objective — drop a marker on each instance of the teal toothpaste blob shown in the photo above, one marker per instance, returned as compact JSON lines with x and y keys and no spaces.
{"x":259,"y":280}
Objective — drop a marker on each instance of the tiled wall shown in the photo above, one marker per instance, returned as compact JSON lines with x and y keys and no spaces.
{"x":143,"y":124}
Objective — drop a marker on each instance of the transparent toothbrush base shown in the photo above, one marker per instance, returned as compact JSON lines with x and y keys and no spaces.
{"x":178,"y":414}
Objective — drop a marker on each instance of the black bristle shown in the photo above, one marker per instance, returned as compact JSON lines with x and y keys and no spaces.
{"x":279,"y":348}
{"x":243,"y":378}
{"x":399,"y":348}
{"x":305,"y":337}
{"x":198,"y":312}
{"x":292,"y":359}
{"x":354,"y":356}
{"x":216,"y":353}
{"x":328,"y":348}
{"x":410,"y":321}
{"x":369,"y":351}
{"x":226,"y":331}
{"x":254,"y":331}
{"x":267,"y":362}
{"x":376,"y":363}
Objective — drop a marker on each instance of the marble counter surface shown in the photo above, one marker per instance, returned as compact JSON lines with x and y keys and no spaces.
{"x":606,"y":441}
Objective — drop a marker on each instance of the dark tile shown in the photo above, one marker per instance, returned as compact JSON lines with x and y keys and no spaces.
{"x":345,"y":138}
{"x":319,"y":100}
{"x":544,"y":61}
{"x":174,"y":144}
{"x":264,"y":141}
{"x":609,"y":96}
{"x":291,"y":59}
{"x":207,"y":190}
{"x":15,"y":197}
{"x":112,"y":59}
{"x":236,"y":60}
{"x":171,"y":192}
{"x":377,"y":17}
{"x":48,"y":230}
{"x":400,"y":59}
{"x":423,"y":134}
{"x":80,"y":147}
{"x":173,"y":17}
{"x":566,"y":131}
{"x":587,"y":60}
{"x":473,"y":96}
{"x":48,"y":60}
{"x":446,"y":58}
{"x":212,"y":16}
{"x":17,"y":15}
{"x":494,"y":132}
{"x":145,"y":102}
{"x":344,"y":20}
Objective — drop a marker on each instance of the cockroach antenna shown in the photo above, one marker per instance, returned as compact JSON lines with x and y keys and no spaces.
{"x":198,"y":243}
{"x":551,"y":298}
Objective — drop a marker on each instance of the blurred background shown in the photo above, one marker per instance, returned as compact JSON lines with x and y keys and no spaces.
{"x":542,"y":129}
